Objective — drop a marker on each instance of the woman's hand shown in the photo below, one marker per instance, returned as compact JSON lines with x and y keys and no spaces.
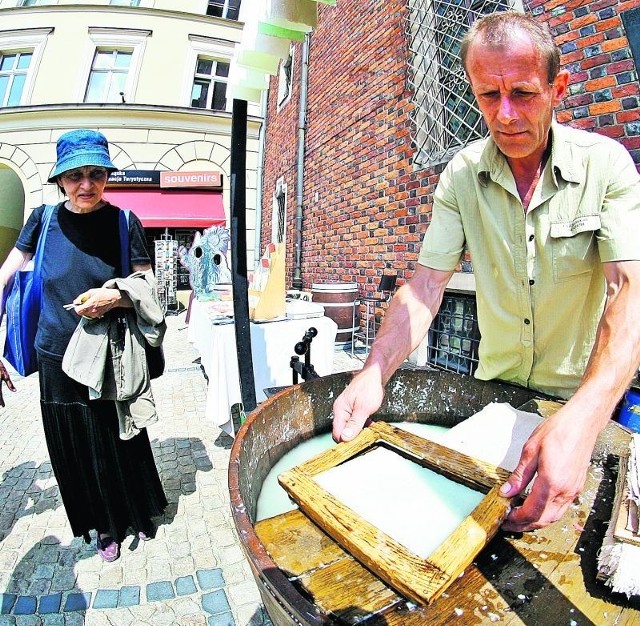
{"x":94,"y":303}
{"x":4,"y":377}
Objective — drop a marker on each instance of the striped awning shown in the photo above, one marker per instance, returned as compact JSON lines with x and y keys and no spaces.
{"x":269,"y":28}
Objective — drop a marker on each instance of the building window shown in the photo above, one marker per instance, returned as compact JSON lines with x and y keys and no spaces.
{"x":112,"y":64}
{"x":631,"y":22}
{"x":454,"y":336}
{"x":284,"y":79}
{"x":20,"y":54}
{"x":446,"y":116}
{"x":228,"y":9}
{"x":279,"y":217}
{"x":108,"y":76}
{"x":14,"y":67}
{"x":209,"y":89}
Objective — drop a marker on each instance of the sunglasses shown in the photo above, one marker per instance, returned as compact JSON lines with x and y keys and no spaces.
{"x":95,"y":175}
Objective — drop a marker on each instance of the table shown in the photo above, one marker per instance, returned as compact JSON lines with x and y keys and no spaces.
{"x":272,"y":346}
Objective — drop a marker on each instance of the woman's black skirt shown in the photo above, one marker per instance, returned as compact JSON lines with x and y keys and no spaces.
{"x":107,"y":484}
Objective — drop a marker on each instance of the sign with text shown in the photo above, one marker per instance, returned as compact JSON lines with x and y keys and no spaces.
{"x":190,"y":179}
{"x":164,"y":179}
{"x":134,"y":178}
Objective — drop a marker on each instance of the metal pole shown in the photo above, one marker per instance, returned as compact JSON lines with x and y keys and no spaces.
{"x":239,"y":279}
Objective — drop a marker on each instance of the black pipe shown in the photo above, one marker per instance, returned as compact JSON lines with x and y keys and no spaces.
{"x":239,"y":280}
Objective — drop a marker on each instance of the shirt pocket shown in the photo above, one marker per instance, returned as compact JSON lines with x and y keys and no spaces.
{"x":574,"y":246}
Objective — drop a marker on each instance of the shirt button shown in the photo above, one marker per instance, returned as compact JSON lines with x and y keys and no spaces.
{"x":531,"y":281}
{"x":527,"y":321}
{"x":532,"y":237}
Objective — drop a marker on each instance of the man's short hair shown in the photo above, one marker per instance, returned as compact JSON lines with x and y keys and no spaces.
{"x":496,"y":29}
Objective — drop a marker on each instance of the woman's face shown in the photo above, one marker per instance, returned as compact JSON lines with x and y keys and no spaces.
{"x":84,"y":187}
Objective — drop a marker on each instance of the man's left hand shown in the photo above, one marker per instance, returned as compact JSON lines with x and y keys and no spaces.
{"x":559,"y":450}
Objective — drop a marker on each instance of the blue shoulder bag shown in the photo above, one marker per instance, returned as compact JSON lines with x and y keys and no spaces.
{"x":22,"y":307}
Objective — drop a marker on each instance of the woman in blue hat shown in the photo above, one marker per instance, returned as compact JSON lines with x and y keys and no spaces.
{"x":106,"y":483}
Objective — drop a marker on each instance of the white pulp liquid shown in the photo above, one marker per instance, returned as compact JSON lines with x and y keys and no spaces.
{"x":416,"y":506}
{"x":274,"y":500}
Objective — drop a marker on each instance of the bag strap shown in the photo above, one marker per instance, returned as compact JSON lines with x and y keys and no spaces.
{"x":125,"y":252}
{"x":39,"y":253}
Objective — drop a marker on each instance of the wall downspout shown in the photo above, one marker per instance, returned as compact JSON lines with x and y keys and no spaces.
{"x":260,"y":180}
{"x":302,"y":128}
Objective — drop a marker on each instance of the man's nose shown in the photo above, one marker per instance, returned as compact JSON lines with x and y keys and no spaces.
{"x":506,"y":110}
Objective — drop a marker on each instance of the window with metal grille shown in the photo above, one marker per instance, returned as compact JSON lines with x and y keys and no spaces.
{"x":280,"y":212}
{"x":108,"y":77}
{"x":446,"y":116}
{"x":631,"y":23}
{"x":454,"y":336}
{"x":284,"y":79}
{"x":229,"y":9}
{"x":14,"y":67}
{"x":210,"y":84}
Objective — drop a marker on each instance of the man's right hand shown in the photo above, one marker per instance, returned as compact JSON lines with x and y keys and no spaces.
{"x":362,"y":397}
{"x":4,"y":377}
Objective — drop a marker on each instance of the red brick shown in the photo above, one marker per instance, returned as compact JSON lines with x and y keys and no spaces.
{"x":600,"y":83}
{"x":615,"y":44}
{"x":624,"y":117}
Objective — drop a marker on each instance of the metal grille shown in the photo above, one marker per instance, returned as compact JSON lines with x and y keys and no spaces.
{"x":281,"y":198}
{"x":454,"y":336}
{"x":446,"y":116}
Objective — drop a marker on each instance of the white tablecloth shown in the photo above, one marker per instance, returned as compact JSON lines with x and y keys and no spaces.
{"x":272,"y":346}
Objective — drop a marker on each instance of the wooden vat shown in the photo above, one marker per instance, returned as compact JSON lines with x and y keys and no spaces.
{"x":546,"y":577}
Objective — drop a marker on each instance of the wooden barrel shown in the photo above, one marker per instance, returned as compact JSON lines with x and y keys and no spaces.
{"x":338,"y":300}
{"x":305,"y":578}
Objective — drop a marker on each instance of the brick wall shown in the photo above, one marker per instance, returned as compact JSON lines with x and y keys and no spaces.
{"x":603,"y":94}
{"x":366,"y":206}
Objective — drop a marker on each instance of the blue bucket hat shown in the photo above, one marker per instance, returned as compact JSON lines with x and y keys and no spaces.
{"x":78,"y":148}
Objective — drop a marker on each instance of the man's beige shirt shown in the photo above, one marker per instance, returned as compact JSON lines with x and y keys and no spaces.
{"x":540,"y":286}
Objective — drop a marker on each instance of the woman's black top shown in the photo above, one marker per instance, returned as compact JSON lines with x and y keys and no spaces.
{"x":82,"y":251}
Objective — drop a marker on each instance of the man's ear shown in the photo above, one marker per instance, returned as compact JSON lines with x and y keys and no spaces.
{"x":560,"y":87}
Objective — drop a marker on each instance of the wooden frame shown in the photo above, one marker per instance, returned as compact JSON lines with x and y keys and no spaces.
{"x":421,"y":580}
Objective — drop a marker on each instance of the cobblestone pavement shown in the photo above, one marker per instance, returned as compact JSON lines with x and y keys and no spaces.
{"x":193,"y":572}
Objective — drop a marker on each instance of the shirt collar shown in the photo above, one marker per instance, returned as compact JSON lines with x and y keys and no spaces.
{"x":563,"y":163}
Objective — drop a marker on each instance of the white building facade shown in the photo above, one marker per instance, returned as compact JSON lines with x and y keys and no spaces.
{"x":151,"y":75}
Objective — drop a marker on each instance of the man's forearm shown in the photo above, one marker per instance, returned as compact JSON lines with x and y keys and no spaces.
{"x":616,"y":352}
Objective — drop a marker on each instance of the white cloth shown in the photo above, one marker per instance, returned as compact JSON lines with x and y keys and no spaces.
{"x":272,"y":346}
{"x":496,"y":434}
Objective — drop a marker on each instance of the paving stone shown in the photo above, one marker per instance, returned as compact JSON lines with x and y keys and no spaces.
{"x":129,"y":596}
{"x":7,"y":600}
{"x":215,"y":602}
{"x":106,"y":599}
{"x":162,"y":590}
{"x":185,"y":585}
{"x":210,"y":579}
{"x":77,"y":602}
{"x":50,"y":603}
{"x":25,"y":605}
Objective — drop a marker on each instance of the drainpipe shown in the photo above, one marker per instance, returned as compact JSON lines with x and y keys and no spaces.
{"x":260,"y":179}
{"x":302,"y":127}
